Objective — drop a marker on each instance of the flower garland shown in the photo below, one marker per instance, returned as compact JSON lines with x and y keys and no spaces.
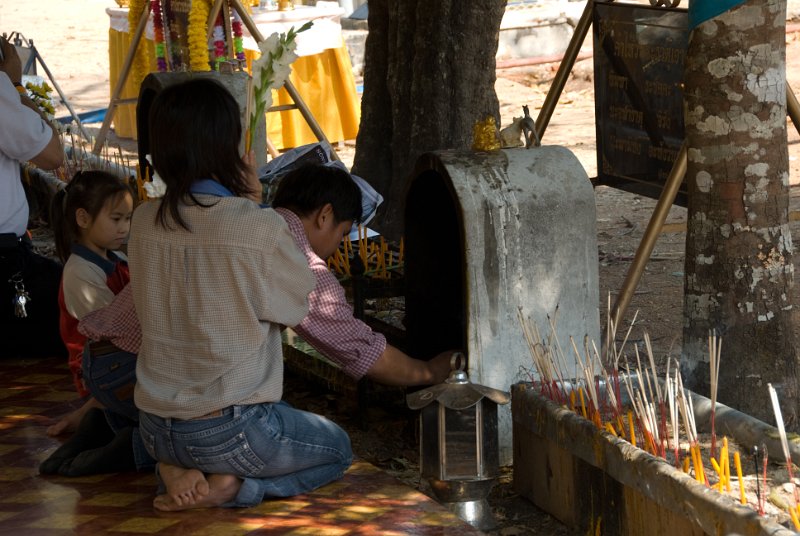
{"x":158,"y":36}
{"x":198,"y":44}
{"x":270,"y":71}
{"x":40,"y":95}
{"x":238,"y":44}
{"x":218,"y":37}
{"x":141,"y":63}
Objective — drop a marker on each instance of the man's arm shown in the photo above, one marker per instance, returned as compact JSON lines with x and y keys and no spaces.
{"x":53,"y":154}
{"x":394,"y":367}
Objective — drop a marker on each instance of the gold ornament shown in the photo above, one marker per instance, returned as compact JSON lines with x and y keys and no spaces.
{"x":484,"y":135}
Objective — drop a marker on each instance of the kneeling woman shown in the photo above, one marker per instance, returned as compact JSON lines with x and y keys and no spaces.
{"x":215,"y":277}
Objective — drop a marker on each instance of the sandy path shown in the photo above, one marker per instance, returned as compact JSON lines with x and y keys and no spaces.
{"x":72,"y":38}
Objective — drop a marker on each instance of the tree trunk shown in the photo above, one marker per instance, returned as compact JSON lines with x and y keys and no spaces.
{"x":429,"y":76}
{"x":739,"y":271}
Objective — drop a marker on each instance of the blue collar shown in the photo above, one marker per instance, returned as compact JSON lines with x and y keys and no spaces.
{"x":210,"y":187}
{"x":108,"y":265}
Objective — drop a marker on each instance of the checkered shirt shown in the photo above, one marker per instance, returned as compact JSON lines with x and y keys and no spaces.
{"x":330,"y":326}
{"x":116,"y":322}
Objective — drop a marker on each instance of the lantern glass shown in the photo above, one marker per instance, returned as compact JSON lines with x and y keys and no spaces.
{"x":462,"y":433}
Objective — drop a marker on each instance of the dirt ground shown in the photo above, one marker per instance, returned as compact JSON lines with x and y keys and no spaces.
{"x":72,"y":39}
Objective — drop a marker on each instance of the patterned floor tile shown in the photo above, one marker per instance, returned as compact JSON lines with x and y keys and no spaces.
{"x":366,"y":501}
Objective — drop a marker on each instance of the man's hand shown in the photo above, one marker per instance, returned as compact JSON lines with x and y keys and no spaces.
{"x":12,"y":65}
{"x":439,"y":366}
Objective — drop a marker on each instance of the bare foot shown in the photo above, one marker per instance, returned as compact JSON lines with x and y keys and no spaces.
{"x":184,"y":486}
{"x":69,"y":422}
{"x":221,"y":489}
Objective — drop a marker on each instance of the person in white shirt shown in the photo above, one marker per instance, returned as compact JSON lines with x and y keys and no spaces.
{"x":28,"y":281}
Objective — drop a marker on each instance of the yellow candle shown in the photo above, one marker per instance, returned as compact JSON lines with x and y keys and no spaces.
{"x":610,"y":429}
{"x":725,"y":462}
{"x":686,"y":462}
{"x":631,"y":429}
{"x":583,"y":403}
{"x":698,"y":464}
{"x":738,"y":463}
{"x":720,"y":474}
{"x":793,"y":515}
{"x":596,"y":419}
{"x":572,"y":400}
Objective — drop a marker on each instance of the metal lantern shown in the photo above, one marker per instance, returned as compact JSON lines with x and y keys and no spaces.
{"x":459,"y":444}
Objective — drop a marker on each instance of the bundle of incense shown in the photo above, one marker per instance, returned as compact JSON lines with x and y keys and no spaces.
{"x":672,"y":402}
{"x":587,"y":369}
{"x":714,"y":351}
{"x":543,"y":363}
{"x":776,"y":407}
{"x":553,"y":343}
{"x":687,"y":414}
{"x":662,"y":418}
{"x":611,"y":334}
{"x":612,"y":387}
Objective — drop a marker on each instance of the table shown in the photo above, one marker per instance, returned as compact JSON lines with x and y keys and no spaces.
{"x":322,"y":74}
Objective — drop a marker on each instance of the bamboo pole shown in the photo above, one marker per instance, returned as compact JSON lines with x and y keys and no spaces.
{"x":648,"y":242}
{"x":560,"y":80}
{"x":212,"y":18}
{"x":793,"y":107}
{"x":123,"y":77}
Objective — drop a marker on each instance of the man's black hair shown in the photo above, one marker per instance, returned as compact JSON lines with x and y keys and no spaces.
{"x":312,"y":186}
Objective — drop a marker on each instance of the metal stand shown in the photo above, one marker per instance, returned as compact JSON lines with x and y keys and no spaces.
{"x":19,"y":40}
{"x":123,"y":77}
{"x":247,"y":20}
{"x":672,"y":184}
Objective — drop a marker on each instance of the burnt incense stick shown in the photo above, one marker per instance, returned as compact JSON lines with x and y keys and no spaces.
{"x":776,"y":408}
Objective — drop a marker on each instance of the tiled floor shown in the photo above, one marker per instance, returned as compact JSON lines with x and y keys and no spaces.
{"x":33,"y":392}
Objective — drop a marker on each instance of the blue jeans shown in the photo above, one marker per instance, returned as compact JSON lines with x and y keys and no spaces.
{"x":111,"y":378}
{"x":277,"y":450}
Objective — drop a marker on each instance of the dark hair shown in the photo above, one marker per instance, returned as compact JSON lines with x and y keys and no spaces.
{"x":310,"y":187}
{"x":89,"y":190}
{"x":195,"y":129}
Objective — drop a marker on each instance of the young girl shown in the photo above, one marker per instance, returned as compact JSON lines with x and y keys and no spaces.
{"x":91,"y":219}
{"x":229,"y":276}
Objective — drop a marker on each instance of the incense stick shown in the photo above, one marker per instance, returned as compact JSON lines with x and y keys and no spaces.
{"x":776,"y":407}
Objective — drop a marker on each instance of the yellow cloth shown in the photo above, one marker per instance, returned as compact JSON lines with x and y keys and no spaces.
{"x":324,"y":81}
{"x":125,"y":115}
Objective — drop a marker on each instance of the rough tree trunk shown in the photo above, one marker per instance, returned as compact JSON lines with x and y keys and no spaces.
{"x":429,"y":75}
{"x":739,"y":272}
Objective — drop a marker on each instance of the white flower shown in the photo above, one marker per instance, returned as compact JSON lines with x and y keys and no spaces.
{"x":270,"y":44}
{"x":280,"y":74}
{"x":270,"y":71}
{"x":156,"y":187}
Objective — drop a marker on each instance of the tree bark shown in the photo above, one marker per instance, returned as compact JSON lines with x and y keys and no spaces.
{"x":429,"y":75}
{"x":739,"y":271}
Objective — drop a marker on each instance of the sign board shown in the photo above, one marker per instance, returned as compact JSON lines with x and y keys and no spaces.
{"x":639,"y":54}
